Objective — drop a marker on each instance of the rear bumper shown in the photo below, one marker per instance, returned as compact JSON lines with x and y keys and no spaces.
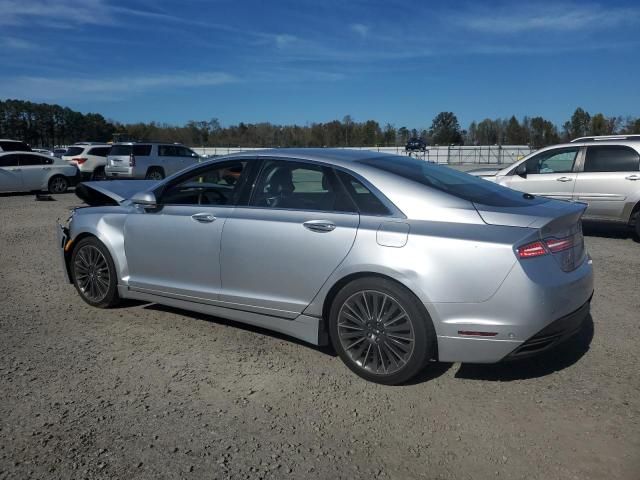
{"x":119,"y":172}
{"x":532,"y":311}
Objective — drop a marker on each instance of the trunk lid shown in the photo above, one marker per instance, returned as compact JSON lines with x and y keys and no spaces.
{"x":111,"y":192}
{"x":553,"y":220}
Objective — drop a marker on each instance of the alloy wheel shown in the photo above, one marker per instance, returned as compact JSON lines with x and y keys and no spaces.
{"x":91,"y":273}
{"x":58,"y":185}
{"x":376,"y":332}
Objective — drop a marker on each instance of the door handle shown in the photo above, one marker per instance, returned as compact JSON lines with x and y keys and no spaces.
{"x":632,"y":177}
{"x":564,"y":179}
{"x":203,"y":217}
{"x":321,"y":226}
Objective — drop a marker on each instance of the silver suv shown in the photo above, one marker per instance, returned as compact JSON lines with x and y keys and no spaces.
{"x":603,"y":172}
{"x":153,"y":161}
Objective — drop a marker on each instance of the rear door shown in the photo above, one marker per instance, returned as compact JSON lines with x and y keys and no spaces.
{"x":10,"y":173}
{"x":549,"y":173}
{"x":278,"y":251}
{"x":33,"y":171}
{"x":609,"y":176}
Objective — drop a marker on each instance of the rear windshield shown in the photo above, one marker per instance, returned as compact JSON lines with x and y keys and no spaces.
{"x":14,"y":147}
{"x":453,"y":182}
{"x":74,"y":151}
{"x":126,"y":150}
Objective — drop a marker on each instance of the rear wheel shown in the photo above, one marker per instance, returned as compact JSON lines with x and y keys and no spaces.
{"x":98,"y":174}
{"x":58,"y":184}
{"x":154,"y":174}
{"x":94,"y":273}
{"x":381,"y":331}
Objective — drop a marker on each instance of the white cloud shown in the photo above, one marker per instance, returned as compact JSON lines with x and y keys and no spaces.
{"x":559,"y":17}
{"x":284,"y":40}
{"x":51,"y":12}
{"x":14,"y":43}
{"x":360,"y":29}
{"x":43,"y":88}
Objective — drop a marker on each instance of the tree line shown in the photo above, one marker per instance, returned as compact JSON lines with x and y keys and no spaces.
{"x":44,"y":125}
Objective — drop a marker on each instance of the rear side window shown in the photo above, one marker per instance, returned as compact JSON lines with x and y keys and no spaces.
{"x":300,"y":186}
{"x":367,"y":202}
{"x":453,"y":182}
{"x":74,"y":151}
{"x":99,"y":151}
{"x":15,"y":147}
{"x":611,"y":158}
{"x":559,"y":160}
{"x":30,"y":160}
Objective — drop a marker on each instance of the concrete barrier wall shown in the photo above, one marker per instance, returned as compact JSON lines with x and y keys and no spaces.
{"x":481,"y":154}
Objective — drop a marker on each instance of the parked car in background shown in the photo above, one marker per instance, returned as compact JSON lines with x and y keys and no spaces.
{"x":58,"y":152}
{"x":148,"y":160}
{"x":7,"y":145}
{"x":416,"y":145}
{"x":603,"y":172}
{"x":44,"y":151}
{"x":30,"y":171}
{"x":90,"y":158}
{"x":392,"y":259}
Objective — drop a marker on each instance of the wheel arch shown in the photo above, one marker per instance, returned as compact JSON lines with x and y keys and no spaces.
{"x":155,"y":167}
{"x":324,"y":333}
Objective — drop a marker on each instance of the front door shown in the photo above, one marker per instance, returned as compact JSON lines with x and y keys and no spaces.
{"x":549,"y":173}
{"x":10,"y":173}
{"x":611,"y":173}
{"x":174,"y":249}
{"x":278,"y":252}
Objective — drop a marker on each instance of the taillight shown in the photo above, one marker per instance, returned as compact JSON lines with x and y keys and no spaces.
{"x":535,"y":249}
{"x":549,"y":245}
{"x":559,"y":244}
{"x":79,"y":161}
{"x":132,"y":160}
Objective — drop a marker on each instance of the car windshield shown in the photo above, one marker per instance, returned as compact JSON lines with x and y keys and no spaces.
{"x":453,"y":182}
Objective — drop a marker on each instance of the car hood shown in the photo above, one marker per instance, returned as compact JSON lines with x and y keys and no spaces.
{"x":484,"y":172}
{"x":111,"y":192}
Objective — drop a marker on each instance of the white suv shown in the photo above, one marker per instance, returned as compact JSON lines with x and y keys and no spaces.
{"x":603,"y":172}
{"x":90,"y":158}
{"x":152,"y":161}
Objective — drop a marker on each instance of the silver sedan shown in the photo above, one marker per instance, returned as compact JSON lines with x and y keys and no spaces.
{"x":394,"y":261}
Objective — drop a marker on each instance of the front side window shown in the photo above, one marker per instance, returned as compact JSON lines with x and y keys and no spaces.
{"x":9,"y":160}
{"x":300,"y":186}
{"x":553,"y":161}
{"x":216,"y":185}
{"x":167,"y":150}
{"x":611,"y":158}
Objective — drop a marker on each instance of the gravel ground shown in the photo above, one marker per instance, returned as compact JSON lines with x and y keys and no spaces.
{"x":145,"y":391}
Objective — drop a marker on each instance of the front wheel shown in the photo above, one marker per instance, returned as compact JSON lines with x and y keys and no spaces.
{"x":94,"y":273}
{"x":381,"y":331}
{"x":58,"y":184}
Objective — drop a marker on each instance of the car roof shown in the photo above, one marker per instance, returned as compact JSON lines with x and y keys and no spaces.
{"x":3,"y":153}
{"x":335,"y":156}
{"x":149,"y":143}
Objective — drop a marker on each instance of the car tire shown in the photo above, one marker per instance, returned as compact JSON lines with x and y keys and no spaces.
{"x":637,"y":229}
{"x":381,"y":330}
{"x":58,"y":184}
{"x":154,"y":174}
{"x":98,"y":174}
{"x":94,"y":273}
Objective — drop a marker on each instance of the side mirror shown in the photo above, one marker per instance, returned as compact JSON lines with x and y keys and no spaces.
{"x":522,"y":170}
{"x":145,"y":199}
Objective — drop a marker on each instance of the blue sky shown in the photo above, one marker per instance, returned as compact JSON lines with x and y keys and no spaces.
{"x":299,"y":61}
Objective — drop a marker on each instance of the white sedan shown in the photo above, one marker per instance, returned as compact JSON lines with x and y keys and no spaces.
{"x":31,"y":171}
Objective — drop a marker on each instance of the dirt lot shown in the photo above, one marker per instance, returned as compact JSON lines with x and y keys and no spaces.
{"x":149,"y":392}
